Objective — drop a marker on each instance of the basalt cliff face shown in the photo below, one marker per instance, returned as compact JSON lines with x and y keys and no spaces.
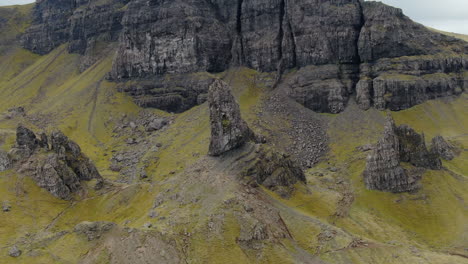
{"x":351,"y":47}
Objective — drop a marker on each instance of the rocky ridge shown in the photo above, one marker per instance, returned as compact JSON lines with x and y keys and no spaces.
{"x":384,"y":170}
{"x":364,"y":48}
{"x":58,"y":167}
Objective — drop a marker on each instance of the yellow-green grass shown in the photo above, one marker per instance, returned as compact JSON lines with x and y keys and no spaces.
{"x":86,"y":107}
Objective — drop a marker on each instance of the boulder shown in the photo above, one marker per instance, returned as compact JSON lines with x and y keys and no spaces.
{"x":228,"y":129}
{"x":5,"y":161}
{"x":442,"y":148}
{"x":14,"y":252}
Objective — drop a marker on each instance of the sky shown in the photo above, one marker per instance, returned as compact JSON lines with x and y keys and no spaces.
{"x":447,"y":15}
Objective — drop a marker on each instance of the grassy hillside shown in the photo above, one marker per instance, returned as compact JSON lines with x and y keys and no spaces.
{"x":203,"y":213}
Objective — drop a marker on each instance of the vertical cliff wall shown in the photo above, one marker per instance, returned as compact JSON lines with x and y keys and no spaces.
{"x":344,"y":47}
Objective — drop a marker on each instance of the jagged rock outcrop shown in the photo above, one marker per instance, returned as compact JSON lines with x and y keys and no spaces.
{"x":58,"y":169}
{"x":383,"y":170}
{"x":228,"y":129}
{"x":361,"y":47}
{"x":5,"y":161}
{"x":442,"y":148}
{"x":273,"y":169}
{"x":413,"y":149}
{"x":68,"y":151}
{"x":399,"y":144}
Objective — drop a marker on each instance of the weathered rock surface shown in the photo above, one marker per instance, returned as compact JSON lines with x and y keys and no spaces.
{"x":5,"y":161}
{"x":442,"y":148}
{"x":324,"y":88}
{"x":413,"y":149}
{"x":51,"y":173}
{"x":383,"y":171}
{"x":186,"y":37}
{"x":14,"y":252}
{"x":228,"y":129}
{"x":81,"y":22}
{"x":59,"y":169}
{"x":68,"y":151}
{"x":172,"y":93}
{"x":399,"y":144}
{"x":405,"y":64}
{"x":273,"y":169}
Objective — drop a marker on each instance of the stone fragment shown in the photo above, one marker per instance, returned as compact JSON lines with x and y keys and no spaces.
{"x":5,"y":161}
{"x":14,"y":252}
{"x":6,"y":207}
{"x":442,"y":148}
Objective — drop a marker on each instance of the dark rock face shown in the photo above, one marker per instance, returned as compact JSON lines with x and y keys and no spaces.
{"x":273,"y":169}
{"x":324,"y":88}
{"x":50,"y":26}
{"x":388,"y":33}
{"x":228,"y":129}
{"x":442,"y":148}
{"x":405,"y":64}
{"x":60,"y":169}
{"x":171,"y":37}
{"x":366,"y":48}
{"x":399,"y":144}
{"x":82,"y":23}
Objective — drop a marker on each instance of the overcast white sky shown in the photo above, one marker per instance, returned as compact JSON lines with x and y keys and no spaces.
{"x":447,"y":15}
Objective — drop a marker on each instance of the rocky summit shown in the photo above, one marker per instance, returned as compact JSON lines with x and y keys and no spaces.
{"x":231,"y":131}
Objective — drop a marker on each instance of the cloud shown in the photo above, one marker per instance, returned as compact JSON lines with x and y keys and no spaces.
{"x":15,"y":2}
{"x":447,"y":15}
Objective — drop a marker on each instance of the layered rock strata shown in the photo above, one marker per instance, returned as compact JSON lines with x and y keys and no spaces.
{"x":58,"y":168}
{"x":363,"y":48}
